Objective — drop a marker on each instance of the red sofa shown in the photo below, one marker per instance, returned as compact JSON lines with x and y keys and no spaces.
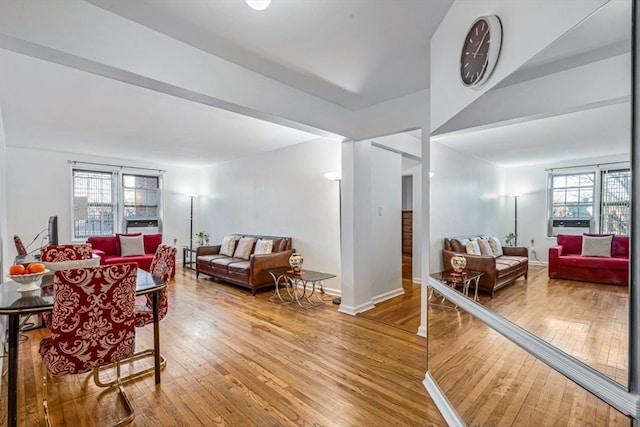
{"x":566,"y":261}
{"x":108,"y":248}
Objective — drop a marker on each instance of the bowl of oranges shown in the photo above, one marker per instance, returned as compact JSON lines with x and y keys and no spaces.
{"x":27,"y":276}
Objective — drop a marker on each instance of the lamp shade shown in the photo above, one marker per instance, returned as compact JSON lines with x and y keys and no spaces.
{"x":258,"y":4}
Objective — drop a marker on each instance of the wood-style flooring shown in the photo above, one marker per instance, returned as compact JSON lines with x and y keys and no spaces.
{"x":238,"y":360}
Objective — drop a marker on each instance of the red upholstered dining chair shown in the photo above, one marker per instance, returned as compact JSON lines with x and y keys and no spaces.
{"x":162,"y":265}
{"x":93,"y":324}
{"x":64,"y":257}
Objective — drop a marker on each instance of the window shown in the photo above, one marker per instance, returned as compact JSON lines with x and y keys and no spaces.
{"x":596,"y":201}
{"x":94,"y":208}
{"x":103,"y":200}
{"x":572,"y":196}
{"x":615,"y":214}
{"x":140,"y":196}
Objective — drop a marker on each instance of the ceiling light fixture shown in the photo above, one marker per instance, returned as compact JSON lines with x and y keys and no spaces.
{"x":258,"y":4}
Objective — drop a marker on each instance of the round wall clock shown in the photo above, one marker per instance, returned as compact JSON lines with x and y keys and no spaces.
{"x":480,"y":50}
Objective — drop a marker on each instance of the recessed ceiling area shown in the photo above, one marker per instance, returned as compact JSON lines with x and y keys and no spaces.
{"x":52,"y":107}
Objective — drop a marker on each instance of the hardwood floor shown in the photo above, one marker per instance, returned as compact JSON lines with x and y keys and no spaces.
{"x":493,"y":382}
{"x":402,"y":311}
{"x":239,"y":360}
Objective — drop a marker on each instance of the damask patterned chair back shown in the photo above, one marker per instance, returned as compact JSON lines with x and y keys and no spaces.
{"x":60,"y":253}
{"x":93,"y":322}
{"x":22,"y":251}
{"x":163,"y":262}
{"x":161,"y":266}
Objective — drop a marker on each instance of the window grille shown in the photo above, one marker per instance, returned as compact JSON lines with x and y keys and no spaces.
{"x":104,"y":199}
{"x":94,"y":208}
{"x":615,"y":213}
{"x":140,"y":196}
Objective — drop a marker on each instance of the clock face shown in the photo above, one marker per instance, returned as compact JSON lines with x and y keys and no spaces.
{"x":480,"y":50}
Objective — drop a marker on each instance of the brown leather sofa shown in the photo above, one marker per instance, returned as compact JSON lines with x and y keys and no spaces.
{"x":498,"y":271}
{"x":244,"y":272}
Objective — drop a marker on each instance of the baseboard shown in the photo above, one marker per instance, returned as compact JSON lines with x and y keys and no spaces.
{"x":422,"y":331}
{"x":388,"y":295}
{"x":445,"y":407}
{"x":351,"y":310}
{"x":539,"y":263}
{"x":417,"y":280}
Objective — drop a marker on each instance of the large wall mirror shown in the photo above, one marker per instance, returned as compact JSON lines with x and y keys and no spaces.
{"x":555,"y":132}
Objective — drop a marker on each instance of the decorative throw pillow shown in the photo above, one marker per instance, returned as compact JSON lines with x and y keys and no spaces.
{"x":244,"y":247}
{"x":496,"y":246}
{"x":263,"y":247}
{"x":228,"y":245}
{"x":473,"y":248}
{"x":131,"y":245}
{"x":596,"y":246}
{"x":485,"y":247}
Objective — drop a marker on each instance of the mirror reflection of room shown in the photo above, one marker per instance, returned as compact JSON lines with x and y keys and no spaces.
{"x":542,"y":169}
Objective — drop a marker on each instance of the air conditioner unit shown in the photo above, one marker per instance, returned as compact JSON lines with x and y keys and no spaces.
{"x":571,"y":226}
{"x":144,"y":226}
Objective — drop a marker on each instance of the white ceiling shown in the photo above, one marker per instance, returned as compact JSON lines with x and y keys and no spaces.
{"x":353,"y":53}
{"x":52,"y":107}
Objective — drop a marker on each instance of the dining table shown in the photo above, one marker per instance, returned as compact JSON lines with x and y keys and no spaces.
{"x":14,"y":304}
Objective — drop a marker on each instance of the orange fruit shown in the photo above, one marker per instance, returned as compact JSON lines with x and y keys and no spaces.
{"x":17,"y":269}
{"x":35,"y":267}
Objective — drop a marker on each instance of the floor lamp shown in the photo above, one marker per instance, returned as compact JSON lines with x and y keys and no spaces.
{"x":335,"y":176}
{"x":191,"y":196}
{"x":515,"y":222}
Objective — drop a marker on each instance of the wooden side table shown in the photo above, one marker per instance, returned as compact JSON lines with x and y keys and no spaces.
{"x":188,"y":256}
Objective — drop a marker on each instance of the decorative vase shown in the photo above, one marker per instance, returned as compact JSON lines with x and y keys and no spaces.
{"x":458,"y":262}
{"x":295,"y":261}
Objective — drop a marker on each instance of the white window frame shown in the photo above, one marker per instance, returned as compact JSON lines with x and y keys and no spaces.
{"x":117,"y":172}
{"x":594,"y":222}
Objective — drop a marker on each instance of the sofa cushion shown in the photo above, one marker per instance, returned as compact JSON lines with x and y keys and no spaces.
{"x":473,"y":248}
{"x":505,"y":265}
{"x":151,"y":242}
{"x":614,"y":263}
{"x":223,"y":263}
{"x":620,"y":246}
{"x":485,"y":247}
{"x":458,"y":247}
{"x":106,"y":244}
{"x":496,"y":246}
{"x":117,"y":238}
{"x":206,"y":259}
{"x":228,"y":245}
{"x":131,"y":245}
{"x":263,"y":247}
{"x":244,"y":247}
{"x":239,"y":267}
{"x":596,"y":246}
{"x":571,"y":243}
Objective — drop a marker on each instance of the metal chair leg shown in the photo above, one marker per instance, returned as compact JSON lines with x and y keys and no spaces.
{"x":137,"y":356}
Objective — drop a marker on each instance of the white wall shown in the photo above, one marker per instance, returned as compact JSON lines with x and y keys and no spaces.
{"x":39,"y":185}
{"x":467,"y":197}
{"x":280,"y":193}
{"x":386,"y":224}
{"x":4,"y":263}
